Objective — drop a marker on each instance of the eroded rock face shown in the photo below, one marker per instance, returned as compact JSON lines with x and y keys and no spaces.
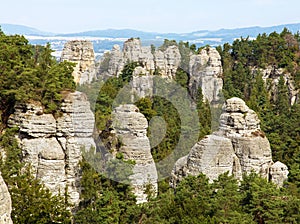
{"x":205,"y":69}
{"x":279,"y":173}
{"x":53,"y":145}
{"x":5,"y":203}
{"x":239,"y":146}
{"x":212,"y":156}
{"x":271,"y":77}
{"x":131,"y":127}
{"x":205,"y":72}
{"x":166,"y":61}
{"x":82,"y":53}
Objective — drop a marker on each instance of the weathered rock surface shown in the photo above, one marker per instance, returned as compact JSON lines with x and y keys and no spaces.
{"x":53,"y":145}
{"x":279,"y":173}
{"x":131,"y":127}
{"x":271,"y":78}
{"x":212,"y":156}
{"x":166,"y":61}
{"x":5,"y":203}
{"x":81,"y":52}
{"x":239,"y":146}
{"x":205,"y":72}
{"x":205,"y":69}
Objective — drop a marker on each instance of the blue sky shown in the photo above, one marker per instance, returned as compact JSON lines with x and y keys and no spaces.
{"x":152,"y":15}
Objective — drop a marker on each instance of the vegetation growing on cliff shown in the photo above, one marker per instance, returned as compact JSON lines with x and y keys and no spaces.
{"x":279,"y":119}
{"x":30,"y":72}
{"x":31,"y":201}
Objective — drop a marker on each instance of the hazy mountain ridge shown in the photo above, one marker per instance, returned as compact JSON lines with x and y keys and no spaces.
{"x":104,"y":39}
{"x":127,"y":33}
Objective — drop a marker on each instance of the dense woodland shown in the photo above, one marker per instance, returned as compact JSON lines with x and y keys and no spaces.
{"x":30,"y":73}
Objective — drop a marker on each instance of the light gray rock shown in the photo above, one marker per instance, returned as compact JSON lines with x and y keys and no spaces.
{"x":212,"y":156}
{"x":5,"y":203}
{"x":238,"y":120}
{"x":81,"y":52}
{"x":53,"y":145}
{"x":238,"y":147}
{"x":116,"y":61}
{"x":168,"y":61}
{"x":279,"y":173}
{"x":32,"y":121}
{"x":131,"y":128}
{"x":271,"y":76}
{"x":206,"y":72}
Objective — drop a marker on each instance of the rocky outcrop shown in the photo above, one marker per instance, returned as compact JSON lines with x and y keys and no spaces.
{"x":165,"y":61}
{"x":206,"y":72}
{"x":81,"y":52}
{"x":131,"y":128}
{"x":205,"y":69}
{"x":239,"y":146}
{"x":168,"y":61}
{"x":52,"y":145}
{"x":278,"y":173}
{"x":5,"y":203}
{"x":271,"y":78}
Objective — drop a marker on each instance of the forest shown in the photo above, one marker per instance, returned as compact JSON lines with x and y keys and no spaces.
{"x":29,"y":72}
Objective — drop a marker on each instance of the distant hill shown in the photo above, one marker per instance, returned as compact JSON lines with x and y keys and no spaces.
{"x":224,"y":34}
{"x":104,"y":40}
{"x":12,"y":29}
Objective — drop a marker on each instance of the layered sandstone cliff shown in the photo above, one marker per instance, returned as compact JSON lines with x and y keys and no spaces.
{"x":166,"y":61}
{"x":80,"y":52}
{"x":206,"y":73}
{"x":5,"y":203}
{"x":238,"y":147}
{"x":204,"y":69}
{"x":52,"y":145}
{"x":271,"y":77}
{"x":131,"y":128}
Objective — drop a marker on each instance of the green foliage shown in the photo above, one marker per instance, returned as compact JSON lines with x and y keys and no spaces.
{"x":204,"y":114}
{"x":267,"y":203}
{"x":103,"y":200}
{"x":31,"y":201}
{"x":167,"y":43}
{"x":31,"y":73}
{"x":126,"y":74}
{"x":195,"y":200}
{"x":182,"y":78}
{"x":279,"y":120}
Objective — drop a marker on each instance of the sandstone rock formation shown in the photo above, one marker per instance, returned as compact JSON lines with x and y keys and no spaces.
{"x":53,"y":145}
{"x":239,"y":146}
{"x":271,"y":77}
{"x":278,"y":173}
{"x":205,"y":69}
{"x":81,"y":52}
{"x":205,"y":72}
{"x":5,"y":203}
{"x":166,"y":61}
{"x":131,"y":128}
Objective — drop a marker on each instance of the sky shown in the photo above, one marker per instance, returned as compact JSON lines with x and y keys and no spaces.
{"x":180,"y":16}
